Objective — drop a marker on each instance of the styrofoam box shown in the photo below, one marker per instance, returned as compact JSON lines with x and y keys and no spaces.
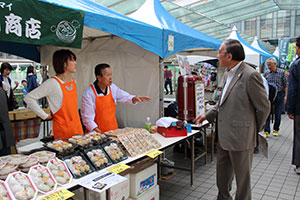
{"x":119,"y":191}
{"x":152,"y":194}
{"x":143,"y":181}
{"x":79,"y":194}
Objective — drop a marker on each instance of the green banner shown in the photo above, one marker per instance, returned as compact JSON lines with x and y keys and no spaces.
{"x":283,"y":52}
{"x":40,"y":23}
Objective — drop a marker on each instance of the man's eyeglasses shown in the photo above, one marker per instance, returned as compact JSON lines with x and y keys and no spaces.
{"x":222,"y":53}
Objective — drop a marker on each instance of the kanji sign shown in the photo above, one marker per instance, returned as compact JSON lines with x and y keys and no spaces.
{"x":60,"y":195}
{"x":40,"y":23}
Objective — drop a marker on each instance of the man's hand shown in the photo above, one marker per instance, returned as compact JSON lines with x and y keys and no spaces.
{"x":16,"y":83}
{"x":291,"y":116}
{"x":199,"y":119}
{"x":140,"y":99}
{"x":97,"y":130}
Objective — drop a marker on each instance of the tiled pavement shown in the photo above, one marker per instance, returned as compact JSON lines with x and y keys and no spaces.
{"x":271,"y":179}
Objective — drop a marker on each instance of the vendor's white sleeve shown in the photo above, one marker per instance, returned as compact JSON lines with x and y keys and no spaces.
{"x":88,"y":109}
{"x":49,"y":89}
{"x":120,"y":95}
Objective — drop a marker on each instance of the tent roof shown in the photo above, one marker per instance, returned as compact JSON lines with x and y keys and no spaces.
{"x":212,"y":17}
{"x":253,"y":56}
{"x":102,"y":21}
{"x":258,"y":46}
{"x":185,"y":37}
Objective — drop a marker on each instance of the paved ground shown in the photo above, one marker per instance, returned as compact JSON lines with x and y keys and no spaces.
{"x":272,"y":178}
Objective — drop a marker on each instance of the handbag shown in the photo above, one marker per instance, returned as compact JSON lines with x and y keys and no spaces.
{"x":13,"y":103}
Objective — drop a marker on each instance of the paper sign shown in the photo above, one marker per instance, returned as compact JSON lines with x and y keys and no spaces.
{"x":101,"y":181}
{"x":154,"y":153}
{"x":60,"y":195}
{"x":118,"y":168}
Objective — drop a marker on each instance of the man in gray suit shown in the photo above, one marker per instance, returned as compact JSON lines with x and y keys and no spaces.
{"x":240,"y":114}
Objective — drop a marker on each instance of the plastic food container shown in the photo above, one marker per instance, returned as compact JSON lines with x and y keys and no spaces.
{"x":15,"y":159}
{"x":7,"y":169}
{"x":32,"y":160}
{"x":78,"y":165}
{"x":42,"y":178}
{"x":4,"y":192}
{"x":44,"y":156}
{"x":114,"y":151}
{"x":98,"y":157}
{"x":60,"y":171}
{"x":21,"y":186}
{"x":61,"y":147}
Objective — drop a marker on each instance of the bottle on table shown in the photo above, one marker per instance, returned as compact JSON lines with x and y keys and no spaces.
{"x":148,"y":124}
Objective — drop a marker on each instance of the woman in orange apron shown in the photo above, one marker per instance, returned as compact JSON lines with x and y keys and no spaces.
{"x":61,"y":93}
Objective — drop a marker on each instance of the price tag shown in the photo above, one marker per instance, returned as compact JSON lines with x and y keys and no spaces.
{"x":60,"y":195}
{"x":118,"y":168}
{"x":154,"y":153}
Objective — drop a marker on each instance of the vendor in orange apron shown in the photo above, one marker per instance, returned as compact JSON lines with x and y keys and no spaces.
{"x":66,"y":121}
{"x":105,"y":112}
{"x":98,"y":102}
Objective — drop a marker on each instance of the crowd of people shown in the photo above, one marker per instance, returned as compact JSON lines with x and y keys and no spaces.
{"x":243,"y":110}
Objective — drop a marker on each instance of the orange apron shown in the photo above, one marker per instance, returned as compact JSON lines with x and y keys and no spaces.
{"x":105,"y":112}
{"x":66,"y":121}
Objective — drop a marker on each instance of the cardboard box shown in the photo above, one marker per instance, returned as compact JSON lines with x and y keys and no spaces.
{"x":143,"y":180}
{"x":171,"y":131}
{"x":24,"y":114}
{"x":152,"y":194}
{"x":119,"y":191}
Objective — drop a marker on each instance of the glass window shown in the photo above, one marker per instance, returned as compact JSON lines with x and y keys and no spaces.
{"x":283,"y":23}
{"x":250,"y":27}
{"x":266,"y":25}
{"x":297,"y":25}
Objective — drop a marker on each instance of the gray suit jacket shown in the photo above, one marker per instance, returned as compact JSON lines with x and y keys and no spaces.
{"x":5,"y":122}
{"x":242,"y":112}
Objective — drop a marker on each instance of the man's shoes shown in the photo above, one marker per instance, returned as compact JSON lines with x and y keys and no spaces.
{"x":297,"y":170}
{"x":275,"y":133}
{"x":266,"y":134}
{"x":166,"y":93}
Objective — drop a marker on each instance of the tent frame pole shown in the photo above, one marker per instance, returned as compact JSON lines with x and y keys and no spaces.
{"x":161,"y":87}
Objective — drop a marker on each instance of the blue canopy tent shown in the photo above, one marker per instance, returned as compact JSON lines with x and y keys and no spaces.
{"x":256,"y":44}
{"x":134,"y":55}
{"x":253,"y":55}
{"x":175,"y":36}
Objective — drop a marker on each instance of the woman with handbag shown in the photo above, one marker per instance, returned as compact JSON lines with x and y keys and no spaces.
{"x":5,"y":70}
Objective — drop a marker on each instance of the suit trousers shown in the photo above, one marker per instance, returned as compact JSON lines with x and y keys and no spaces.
{"x":296,"y":141}
{"x":232,"y":164}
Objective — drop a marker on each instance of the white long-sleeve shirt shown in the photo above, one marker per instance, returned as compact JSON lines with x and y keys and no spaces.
{"x":49,"y":89}
{"x":88,"y":106}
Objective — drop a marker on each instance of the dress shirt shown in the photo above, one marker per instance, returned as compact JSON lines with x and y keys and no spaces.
{"x":278,"y":78}
{"x":6,"y":86}
{"x":88,"y":105}
{"x":231,"y":74}
{"x":49,"y":89}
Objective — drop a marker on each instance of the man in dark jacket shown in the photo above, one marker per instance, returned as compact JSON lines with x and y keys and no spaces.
{"x":293,"y":105}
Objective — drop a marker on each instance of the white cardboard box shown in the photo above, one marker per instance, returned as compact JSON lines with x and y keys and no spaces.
{"x":143,"y":181}
{"x":152,"y":194}
{"x":119,"y":191}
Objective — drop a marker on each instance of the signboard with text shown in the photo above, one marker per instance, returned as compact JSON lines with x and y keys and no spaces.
{"x":40,"y":23}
